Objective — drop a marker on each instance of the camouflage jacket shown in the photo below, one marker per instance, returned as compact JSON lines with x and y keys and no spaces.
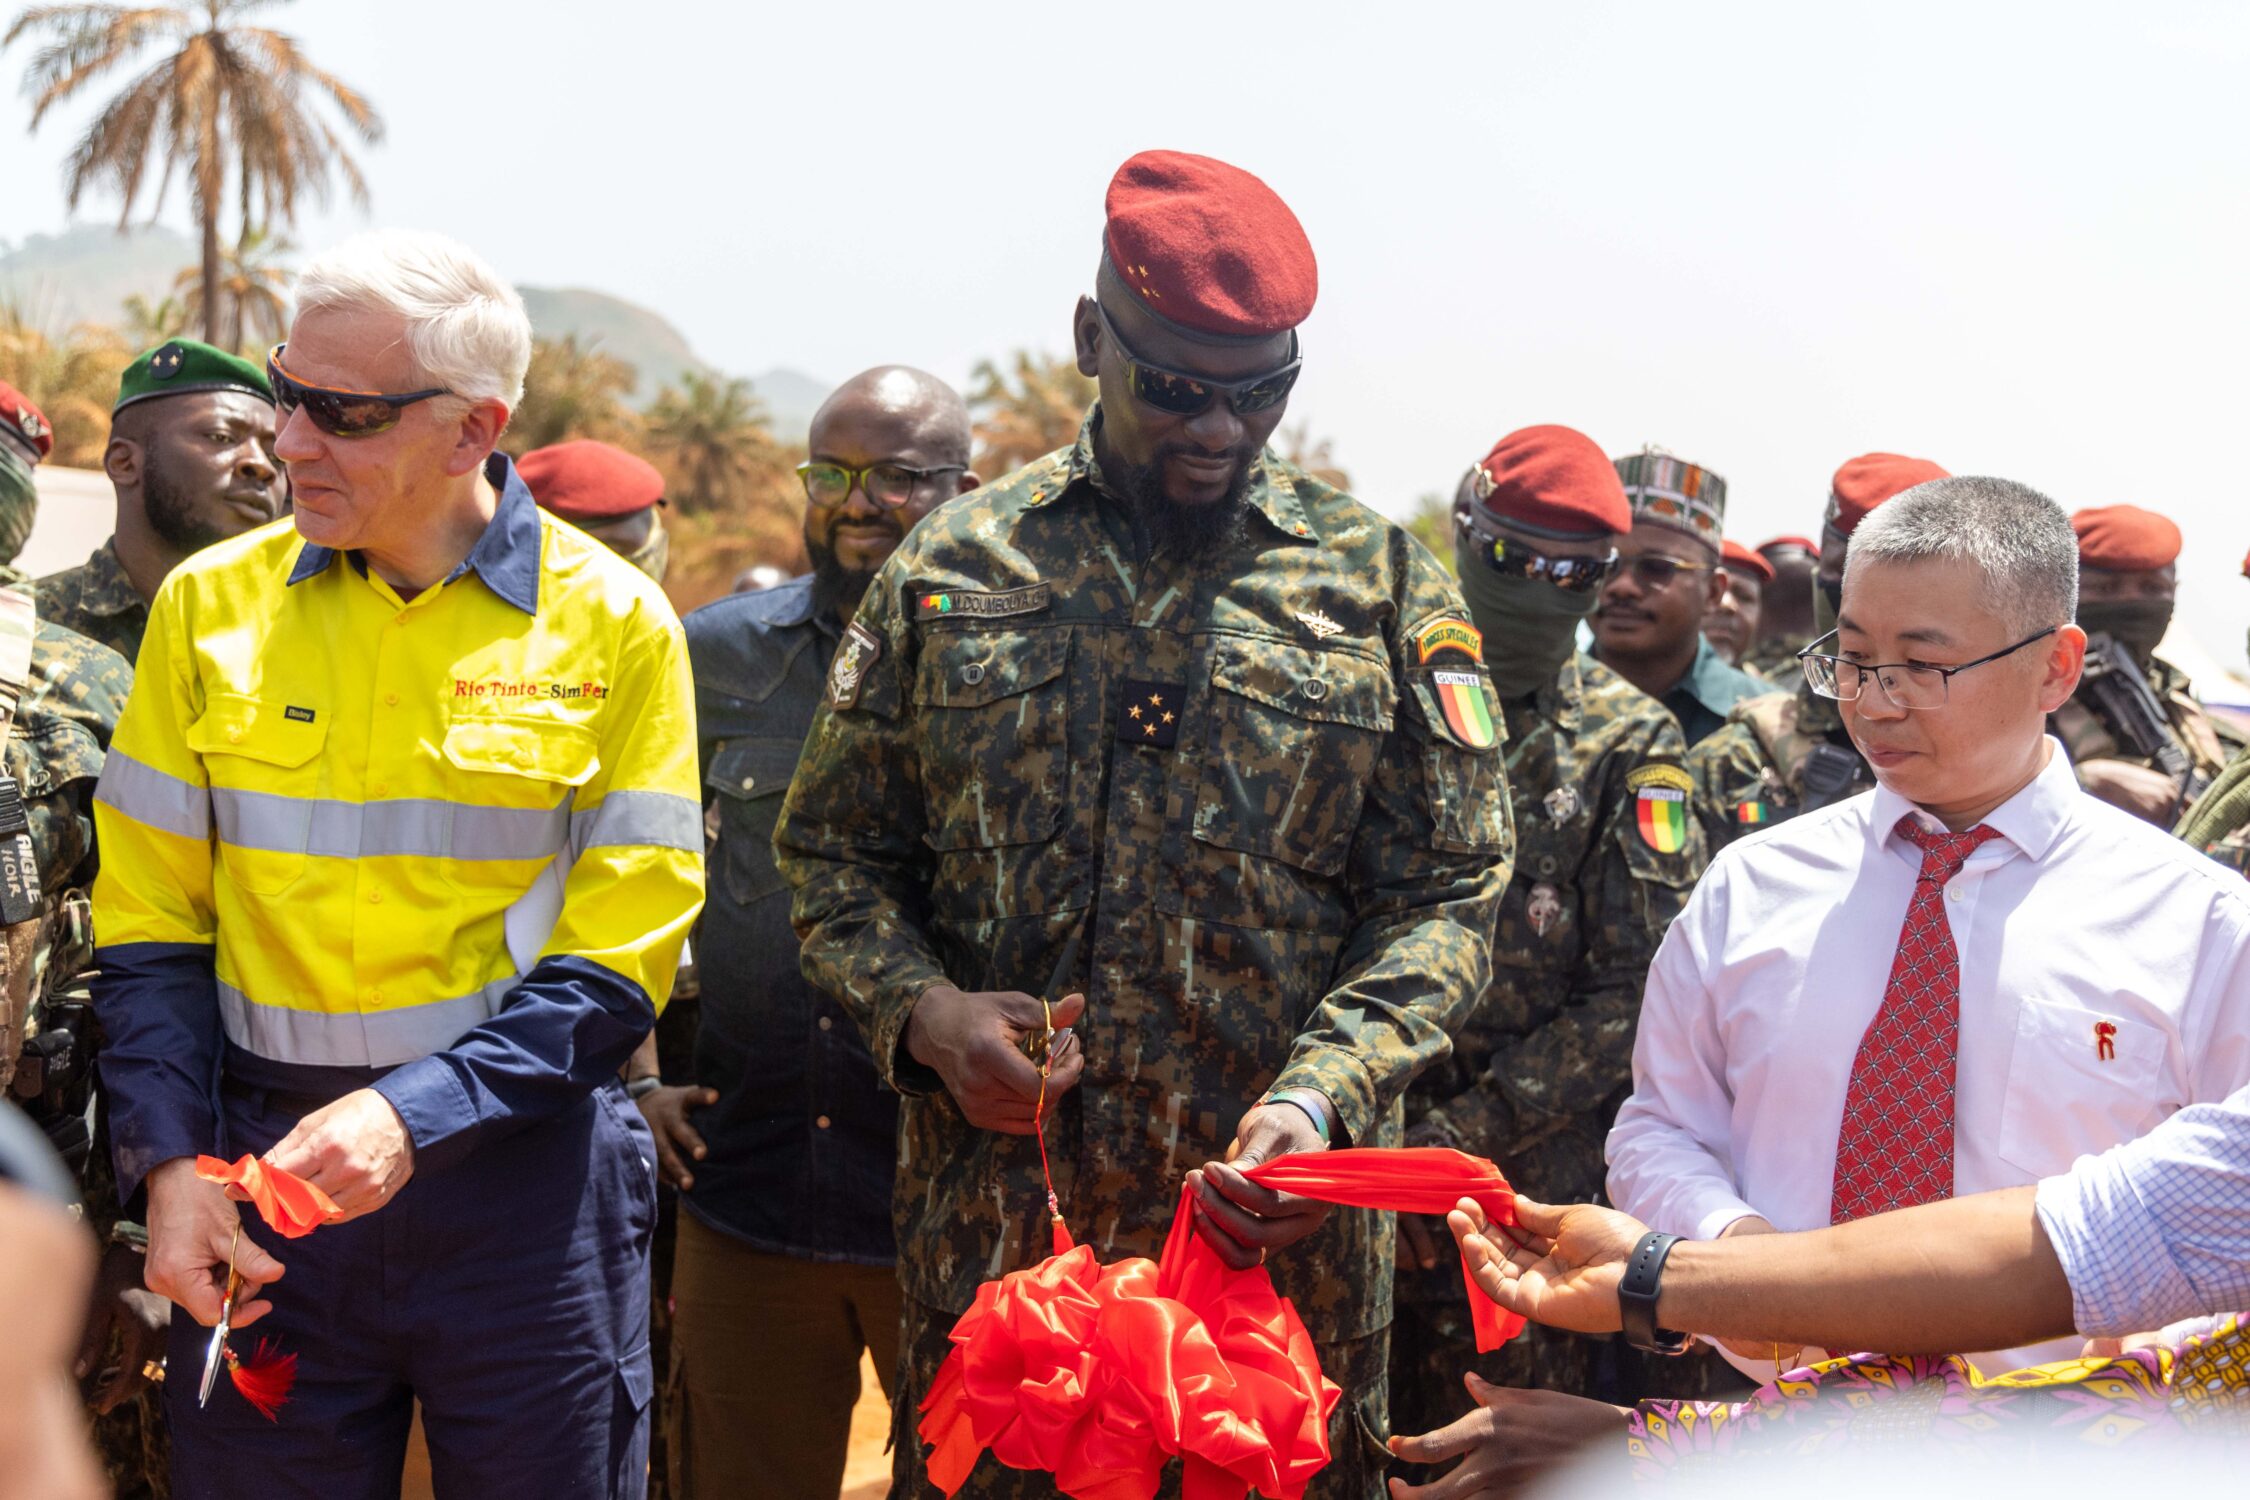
{"x":1538,"y":1072}
{"x":1753,"y":771}
{"x":2219,"y":823}
{"x":98,"y":601}
{"x":2209,"y":742}
{"x":1776,"y":661}
{"x":1241,"y":775}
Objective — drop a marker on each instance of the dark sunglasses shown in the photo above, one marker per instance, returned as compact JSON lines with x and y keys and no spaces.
{"x":1573,"y":575}
{"x":344,"y":414}
{"x":1653,"y":571}
{"x":889,"y":485}
{"x":1183,"y":395}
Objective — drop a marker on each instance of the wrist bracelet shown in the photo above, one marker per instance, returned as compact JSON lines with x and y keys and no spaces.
{"x":641,"y":1088}
{"x":1312,"y":1102}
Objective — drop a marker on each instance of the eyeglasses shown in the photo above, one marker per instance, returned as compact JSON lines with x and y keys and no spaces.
{"x":344,"y":414}
{"x":1573,"y":575}
{"x":1908,"y":685}
{"x":886,"y":484}
{"x":1183,"y":395}
{"x":1654,"y":571}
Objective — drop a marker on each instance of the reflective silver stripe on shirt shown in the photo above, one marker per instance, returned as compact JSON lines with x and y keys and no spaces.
{"x":356,"y":1039}
{"x":147,"y":795}
{"x":402,"y":826}
{"x":661,"y":820}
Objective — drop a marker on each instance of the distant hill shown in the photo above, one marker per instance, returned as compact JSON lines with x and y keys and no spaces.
{"x":656,"y":350}
{"x":791,"y":397}
{"x":84,"y":274}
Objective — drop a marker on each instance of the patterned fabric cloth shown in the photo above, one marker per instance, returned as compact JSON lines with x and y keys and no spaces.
{"x":1869,"y":1401}
{"x":1896,"y":1149}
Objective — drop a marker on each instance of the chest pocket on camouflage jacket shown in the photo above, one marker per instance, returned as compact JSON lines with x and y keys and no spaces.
{"x":1292,"y":741}
{"x":995,"y":709}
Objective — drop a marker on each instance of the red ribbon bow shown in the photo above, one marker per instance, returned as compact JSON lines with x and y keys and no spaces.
{"x":291,"y":1206}
{"x":1099,"y":1374}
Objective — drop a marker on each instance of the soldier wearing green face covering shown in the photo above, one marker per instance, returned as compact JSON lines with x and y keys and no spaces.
{"x":191,"y":461}
{"x":2134,"y":729}
{"x":609,"y":494}
{"x":1606,"y":855}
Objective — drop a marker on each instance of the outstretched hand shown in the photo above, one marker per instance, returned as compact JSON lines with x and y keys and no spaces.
{"x":1557,"y":1266}
{"x":1510,"y":1440}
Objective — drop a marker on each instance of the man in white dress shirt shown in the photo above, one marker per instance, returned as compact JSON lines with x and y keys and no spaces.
{"x":1962,"y":980}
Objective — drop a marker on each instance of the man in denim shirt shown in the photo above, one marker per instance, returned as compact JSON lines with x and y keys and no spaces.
{"x":782,"y":1149}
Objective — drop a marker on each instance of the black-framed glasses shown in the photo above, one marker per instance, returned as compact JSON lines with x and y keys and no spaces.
{"x":887,"y":484}
{"x":340,"y":413}
{"x":1909,"y":685}
{"x":1654,"y":571}
{"x":1582,"y":574}
{"x":1183,"y":395}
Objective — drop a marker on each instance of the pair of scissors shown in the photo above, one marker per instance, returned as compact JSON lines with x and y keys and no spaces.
{"x":215,"y":1353}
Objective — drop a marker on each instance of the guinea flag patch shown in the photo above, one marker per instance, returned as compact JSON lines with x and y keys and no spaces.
{"x":1461,"y":700}
{"x":1752,"y":814}
{"x":1660,"y":797}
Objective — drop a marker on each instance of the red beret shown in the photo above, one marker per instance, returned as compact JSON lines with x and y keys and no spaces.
{"x":583,"y":480}
{"x":1734,"y":555}
{"x":1778,"y":543}
{"x":2125,"y":539}
{"x":1552,"y":478}
{"x":25,"y":421}
{"x":1867,"y":481}
{"x":1208,"y":248}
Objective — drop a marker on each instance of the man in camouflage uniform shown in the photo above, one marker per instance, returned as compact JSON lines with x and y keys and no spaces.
{"x":190,"y":457}
{"x":1648,"y":627}
{"x":1785,"y":609}
{"x":1605,"y":857}
{"x":1786,"y":752}
{"x":1166,"y":730}
{"x":56,"y":741}
{"x":2127,"y":577}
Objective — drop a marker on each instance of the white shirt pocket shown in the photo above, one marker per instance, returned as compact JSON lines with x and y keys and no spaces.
{"x":2079,"y":1081}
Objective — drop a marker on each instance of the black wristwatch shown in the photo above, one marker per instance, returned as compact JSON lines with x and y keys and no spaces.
{"x":1636,"y":1296}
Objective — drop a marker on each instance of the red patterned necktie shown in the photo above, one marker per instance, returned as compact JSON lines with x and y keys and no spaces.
{"x":1896,"y":1147}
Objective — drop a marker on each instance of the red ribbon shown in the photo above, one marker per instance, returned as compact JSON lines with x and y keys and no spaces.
{"x":1098,"y":1374}
{"x":291,"y":1206}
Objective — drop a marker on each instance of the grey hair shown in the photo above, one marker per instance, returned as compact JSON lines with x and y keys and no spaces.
{"x":2018,"y":538}
{"x":465,"y":326}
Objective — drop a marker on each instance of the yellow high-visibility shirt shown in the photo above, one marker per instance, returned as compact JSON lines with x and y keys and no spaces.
{"x":370,"y":819}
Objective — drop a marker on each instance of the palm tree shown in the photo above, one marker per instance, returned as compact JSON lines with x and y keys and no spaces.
{"x":150,"y":323}
{"x":72,"y":379}
{"x":254,"y":284}
{"x":222,"y":98}
{"x":1037,"y":414}
{"x":712,"y":433}
{"x":573,"y":390}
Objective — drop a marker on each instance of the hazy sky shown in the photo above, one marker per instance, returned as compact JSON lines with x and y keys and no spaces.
{"x":2009,"y":237}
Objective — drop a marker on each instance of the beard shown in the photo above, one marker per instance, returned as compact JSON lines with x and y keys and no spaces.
{"x":171,"y":513}
{"x":836,"y":589}
{"x":1184,"y":530}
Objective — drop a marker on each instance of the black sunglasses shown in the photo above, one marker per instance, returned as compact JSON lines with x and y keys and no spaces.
{"x":344,"y":414}
{"x":1573,"y":575}
{"x":1183,"y":395}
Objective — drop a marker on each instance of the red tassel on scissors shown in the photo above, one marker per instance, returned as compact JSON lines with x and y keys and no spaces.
{"x":264,"y":1378}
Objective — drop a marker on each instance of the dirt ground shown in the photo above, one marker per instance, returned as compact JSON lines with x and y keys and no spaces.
{"x":867,"y":1472}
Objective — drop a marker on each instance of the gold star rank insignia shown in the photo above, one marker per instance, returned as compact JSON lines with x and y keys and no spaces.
{"x":1150,"y":716}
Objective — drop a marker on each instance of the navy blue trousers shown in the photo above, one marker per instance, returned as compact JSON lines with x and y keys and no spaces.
{"x":509,"y":1294}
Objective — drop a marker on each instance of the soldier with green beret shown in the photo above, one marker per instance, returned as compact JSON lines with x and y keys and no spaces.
{"x":191,"y":460}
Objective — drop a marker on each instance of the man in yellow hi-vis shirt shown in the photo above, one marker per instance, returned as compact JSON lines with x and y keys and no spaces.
{"x":400,"y":840}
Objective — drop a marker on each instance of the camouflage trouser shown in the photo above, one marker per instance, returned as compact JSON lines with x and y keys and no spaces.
{"x":1432,"y":1342}
{"x":136,"y":1448}
{"x":1355,"y":1433}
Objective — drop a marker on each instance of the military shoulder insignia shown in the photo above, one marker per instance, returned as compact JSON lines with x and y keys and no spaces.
{"x":1562,"y":804}
{"x":1319,"y":624}
{"x":860,"y":649}
{"x":1441,"y":636}
{"x":1150,"y":714}
{"x":1468,"y":716}
{"x":1660,"y":795}
{"x":976,"y":604}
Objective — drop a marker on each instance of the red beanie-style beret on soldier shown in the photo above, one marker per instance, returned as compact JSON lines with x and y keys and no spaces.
{"x":1553,"y":479}
{"x":2125,"y":539}
{"x":1208,"y":248}
{"x":27,"y":423}
{"x":1867,"y":481}
{"x":583,"y":480}
{"x":1783,"y":543}
{"x":1735,"y":556}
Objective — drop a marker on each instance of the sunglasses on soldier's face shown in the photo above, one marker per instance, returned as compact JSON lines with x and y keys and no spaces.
{"x":344,"y":414}
{"x":1180,"y":394}
{"x":1582,"y":574}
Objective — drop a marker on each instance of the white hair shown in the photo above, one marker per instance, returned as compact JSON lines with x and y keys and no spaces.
{"x":2018,"y":538}
{"x":465,"y":326}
